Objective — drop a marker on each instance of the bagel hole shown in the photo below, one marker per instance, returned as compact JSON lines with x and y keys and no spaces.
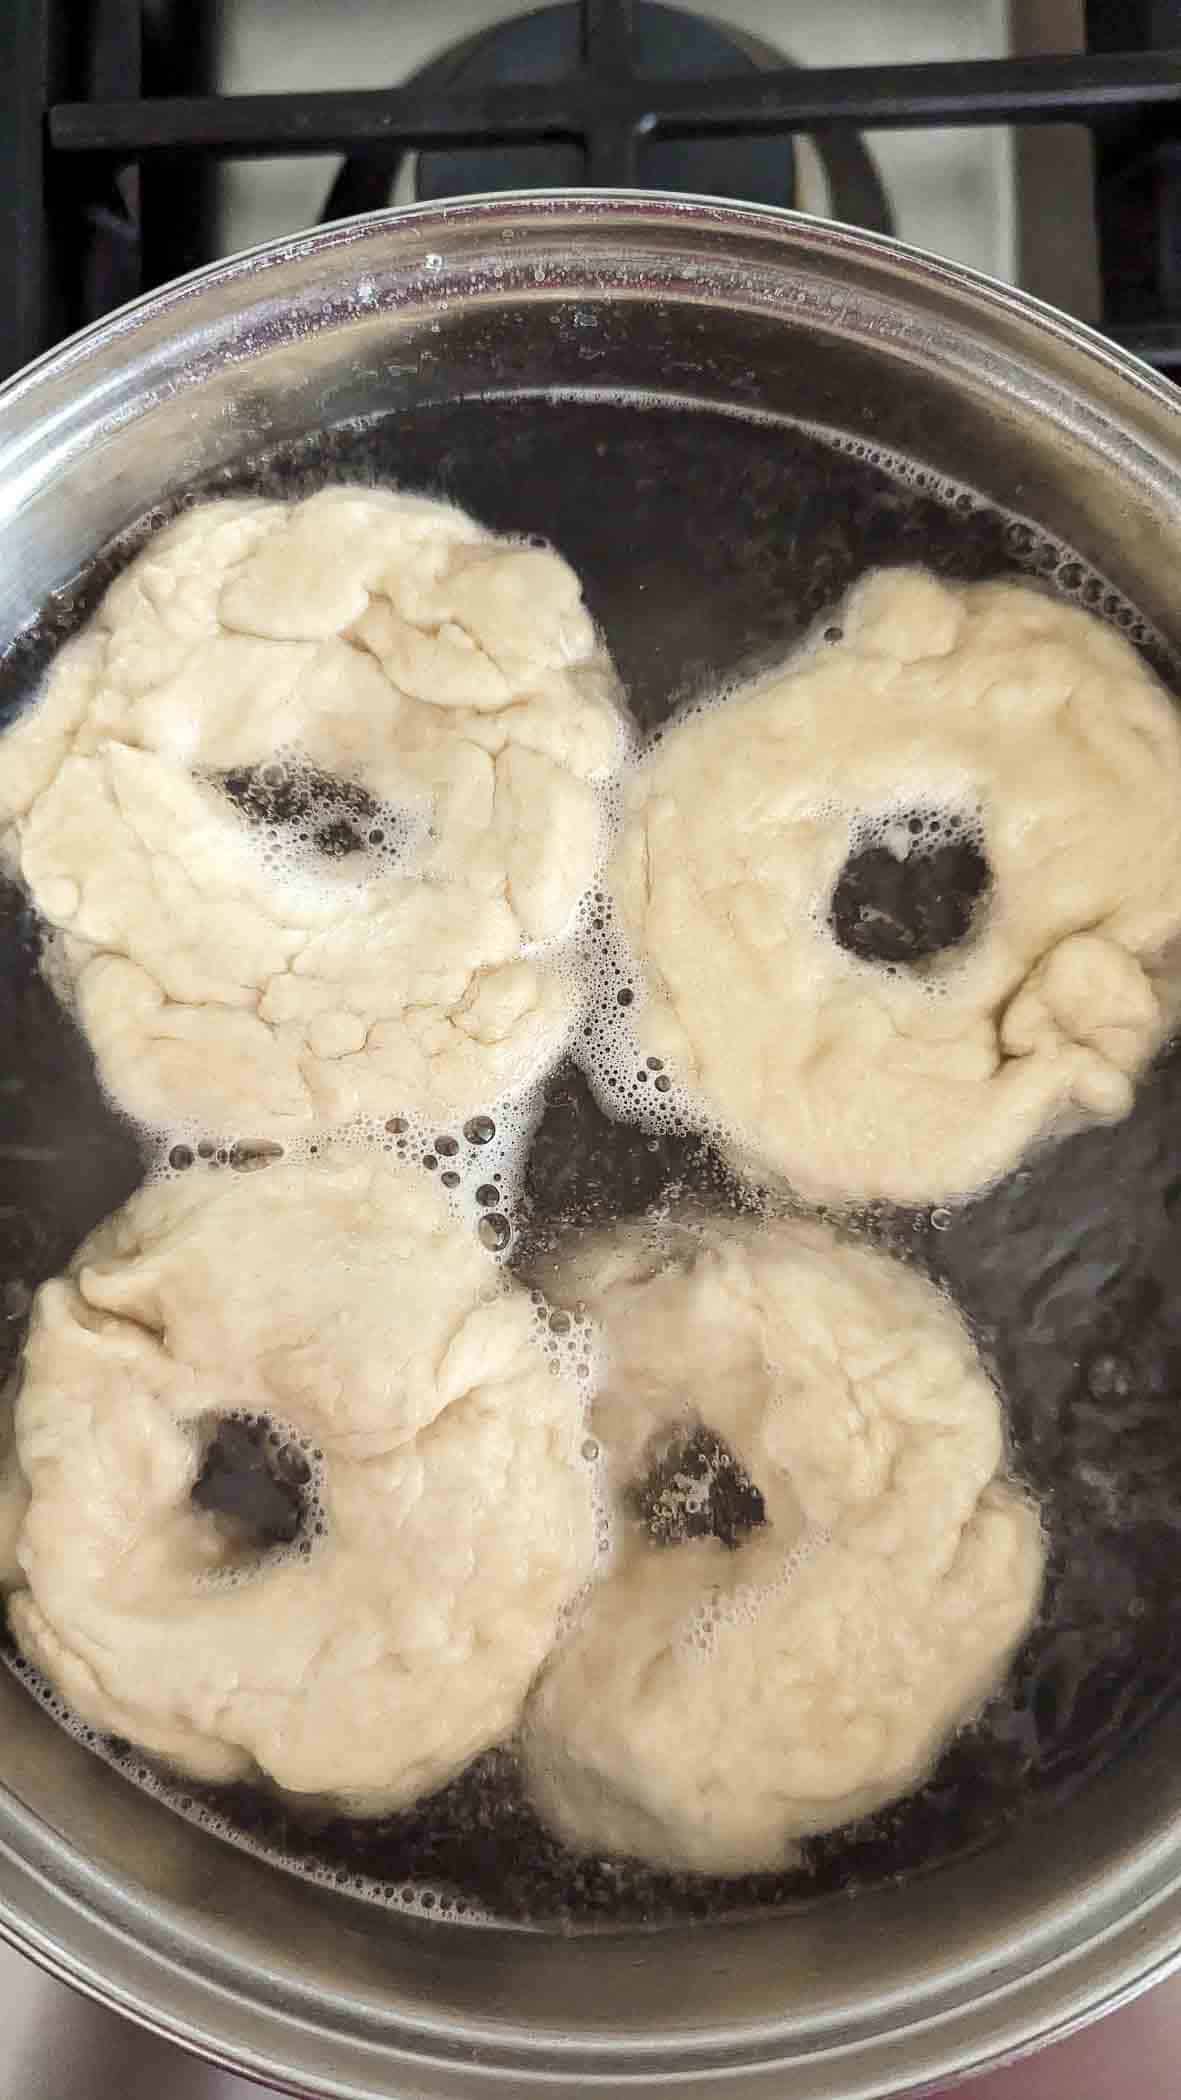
{"x":338,"y":816}
{"x":255,"y":1482}
{"x":913,"y":894}
{"x":697,"y":1489}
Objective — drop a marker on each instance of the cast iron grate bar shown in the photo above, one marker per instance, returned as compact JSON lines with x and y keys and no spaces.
{"x":30,"y":315}
{"x":612,"y":136}
{"x":1082,"y":89}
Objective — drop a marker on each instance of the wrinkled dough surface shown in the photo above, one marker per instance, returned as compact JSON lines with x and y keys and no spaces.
{"x":340,"y":1300}
{"x":714,"y":1705}
{"x":851,"y":1080}
{"x":387,"y":642}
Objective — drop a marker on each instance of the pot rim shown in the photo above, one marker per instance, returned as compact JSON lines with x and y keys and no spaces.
{"x":492,"y":207}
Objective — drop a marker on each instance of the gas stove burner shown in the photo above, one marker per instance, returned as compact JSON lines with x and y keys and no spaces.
{"x":668,"y":44}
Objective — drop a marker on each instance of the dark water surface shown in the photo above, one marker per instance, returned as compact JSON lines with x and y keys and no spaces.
{"x":707,"y":545}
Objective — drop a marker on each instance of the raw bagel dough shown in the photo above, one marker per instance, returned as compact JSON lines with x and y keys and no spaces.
{"x":920,"y":1082}
{"x":386,"y":641}
{"x":714,"y":1705}
{"x":340,"y":1300}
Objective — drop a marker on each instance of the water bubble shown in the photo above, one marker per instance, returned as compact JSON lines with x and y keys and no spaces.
{"x":248,"y":1155}
{"x":479,"y":1130}
{"x":940,"y":1219}
{"x":487,"y":1195}
{"x":495,"y":1231}
{"x":180,"y":1157}
{"x":1109,"y":1377}
{"x":446,"y":1147}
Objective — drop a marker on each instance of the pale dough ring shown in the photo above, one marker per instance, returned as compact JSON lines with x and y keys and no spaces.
{"x":390,"y":643}
{"x":341,"y":1301}
{"x":996,"y":707}
{"x":713,"y":1706}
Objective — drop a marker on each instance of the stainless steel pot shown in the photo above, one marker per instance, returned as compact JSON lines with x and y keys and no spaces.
{"x":756,"y":312}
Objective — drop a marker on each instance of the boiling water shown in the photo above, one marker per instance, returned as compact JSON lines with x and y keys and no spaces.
{"x":709,"y":546}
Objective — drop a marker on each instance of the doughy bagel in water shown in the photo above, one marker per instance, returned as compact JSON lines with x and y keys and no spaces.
{"x":723,"y":1697}
{"x":305,"y":798}
{"x":409,"y":1408}
{"x":915,"y":900}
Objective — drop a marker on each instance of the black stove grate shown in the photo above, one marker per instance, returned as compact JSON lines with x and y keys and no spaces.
{"x":108,"y":140}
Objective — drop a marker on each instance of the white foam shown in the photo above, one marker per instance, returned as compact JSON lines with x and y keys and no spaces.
{"x":573,"y":1348}
{"x":1042,"y":556}
{"x":374,"y":839}
{"x":480,"y":1175}
{"x":744,"y":1603}
{"x":629,"y":1082}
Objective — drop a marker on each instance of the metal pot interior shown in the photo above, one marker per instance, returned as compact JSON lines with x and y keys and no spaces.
{"x":628,"y":377}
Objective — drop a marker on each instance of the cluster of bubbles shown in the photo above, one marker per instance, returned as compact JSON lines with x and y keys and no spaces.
{"x":916,"y":834}
{"x":306,"y":826}
{"x":298,"y":1465}
{"x":744,"y":1603}
{"x":940,"y":907}
{"x":1032,"y":549}
{"x":478,"y":1163}
{"x":573,"y":1349}
{"x":630,"y":1082}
